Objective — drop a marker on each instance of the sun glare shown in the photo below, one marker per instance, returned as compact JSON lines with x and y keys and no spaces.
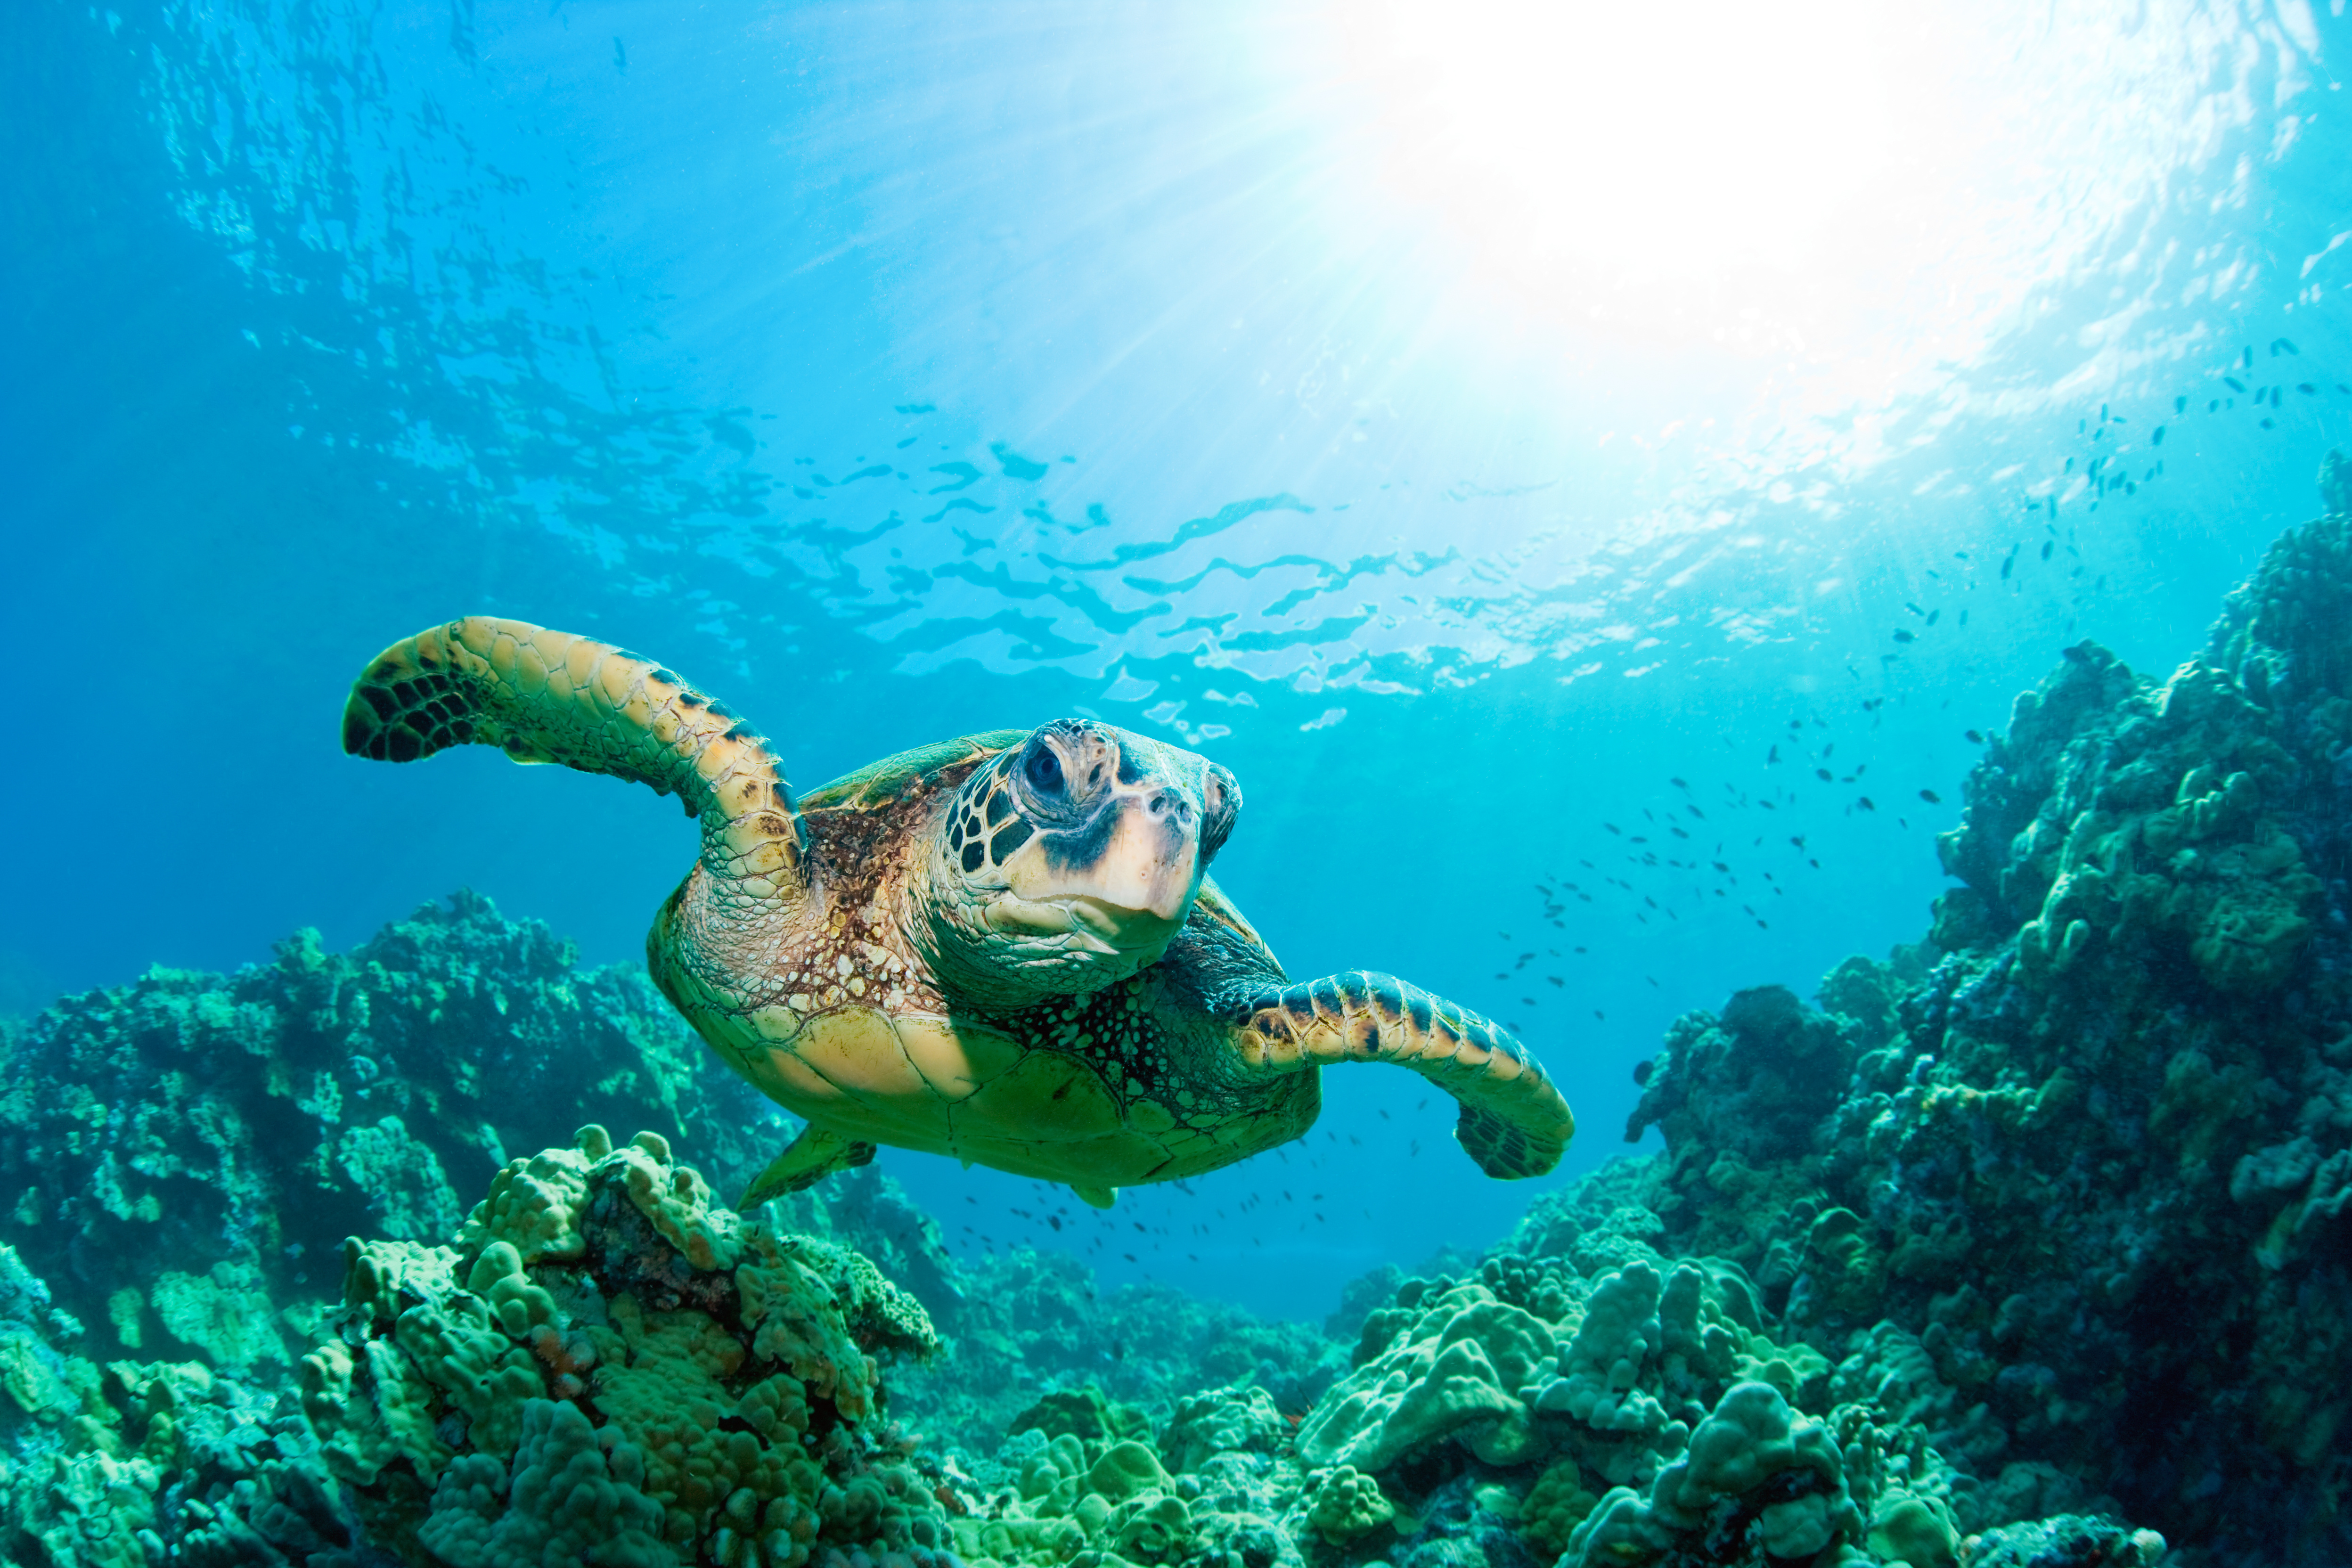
{"x":1686,"y":140}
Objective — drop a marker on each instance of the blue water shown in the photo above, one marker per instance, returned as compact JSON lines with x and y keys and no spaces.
{"x":896,"y":371}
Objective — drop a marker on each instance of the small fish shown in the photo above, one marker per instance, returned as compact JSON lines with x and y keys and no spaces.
{"x":1931,"y":797}
{"x":1825,"y":775}
{"x":2157,"y":438}
{"x":1678,"y":783}
{"x":1772,"y":756}
{"x":1600,"y":1014}
{"x":2305,"y":388}
{"x":2235,"y":383}
{"x":1976,"y":737}
{"x":2047,"y":546}
{"x":2181,"y":406}
{"x":2278,"y":343}
{"x":1865,"y":805}
{"x":1902,"y":635}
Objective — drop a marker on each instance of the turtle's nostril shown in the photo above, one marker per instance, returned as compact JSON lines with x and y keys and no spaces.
{"x":1169,"y":802}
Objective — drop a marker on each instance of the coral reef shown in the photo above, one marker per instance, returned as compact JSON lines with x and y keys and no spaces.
{"x":2026,"y":1246}
{"x":603,"y":1368}
{"x":605,"y":1361}
{"x":183,"y":1148}
{"x":1027,"y":1322}
{"x":2074,"y":1203}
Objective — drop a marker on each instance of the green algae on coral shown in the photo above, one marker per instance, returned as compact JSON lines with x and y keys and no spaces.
{"x":189,"y":1120}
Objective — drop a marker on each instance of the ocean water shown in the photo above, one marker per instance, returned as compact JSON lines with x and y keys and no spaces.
{"x":1585,"y":477}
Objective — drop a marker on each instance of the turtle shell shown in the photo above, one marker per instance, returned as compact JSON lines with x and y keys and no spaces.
{"x":860,"y":1042}
{"x":878,"y":786}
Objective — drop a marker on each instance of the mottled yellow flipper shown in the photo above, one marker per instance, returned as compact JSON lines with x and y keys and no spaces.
{"x":550,"y":697}
{"x":1514,"y":1122}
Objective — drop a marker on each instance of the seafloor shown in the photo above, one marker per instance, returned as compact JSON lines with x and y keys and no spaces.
{"x":2027,"y":1245}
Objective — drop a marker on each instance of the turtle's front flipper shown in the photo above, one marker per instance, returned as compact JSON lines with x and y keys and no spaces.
{"x":551,"y":697}
{"x":806,"y":1161}
{"x":1514,"y":1122}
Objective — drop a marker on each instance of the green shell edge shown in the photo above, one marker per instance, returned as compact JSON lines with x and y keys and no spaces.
{"x":881,"y":782}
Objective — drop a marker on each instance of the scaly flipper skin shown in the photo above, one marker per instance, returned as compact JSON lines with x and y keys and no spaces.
{"x":551,"y":697}
{"x":806,"y":1161}
{"x":1514,"y":1123}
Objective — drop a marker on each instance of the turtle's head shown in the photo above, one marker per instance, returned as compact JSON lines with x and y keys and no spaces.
{"x":1071,"y":860}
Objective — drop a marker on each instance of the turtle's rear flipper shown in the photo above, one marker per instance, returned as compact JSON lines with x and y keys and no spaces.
{"x":806,"y":1161}
{"x":1514,"y":1122}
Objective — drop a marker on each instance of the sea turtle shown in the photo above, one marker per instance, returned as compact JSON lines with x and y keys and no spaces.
{"x":1004,"y":947}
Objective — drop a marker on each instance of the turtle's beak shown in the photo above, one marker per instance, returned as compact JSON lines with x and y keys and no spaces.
{"x":1127,"y":877}
{"x":1151,"y":865}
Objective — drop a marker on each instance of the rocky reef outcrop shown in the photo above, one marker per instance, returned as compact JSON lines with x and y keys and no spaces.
{"x":2078,"y":1199}
{"x":185,"y":1151}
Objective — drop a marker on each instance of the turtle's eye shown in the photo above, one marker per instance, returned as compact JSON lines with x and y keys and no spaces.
{"x":1220,"y":799}
{"x":1043,"y":770}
